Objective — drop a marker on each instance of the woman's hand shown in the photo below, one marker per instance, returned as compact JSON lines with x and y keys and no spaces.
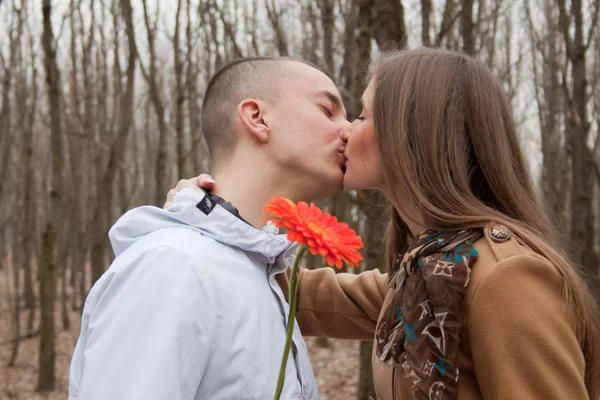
{"x":203,"y":181}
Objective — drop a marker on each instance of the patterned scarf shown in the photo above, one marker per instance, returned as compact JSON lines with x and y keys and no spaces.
{"x":420,"y":329}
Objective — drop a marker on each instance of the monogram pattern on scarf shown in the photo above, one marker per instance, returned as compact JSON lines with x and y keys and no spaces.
{"x":420,"y":330}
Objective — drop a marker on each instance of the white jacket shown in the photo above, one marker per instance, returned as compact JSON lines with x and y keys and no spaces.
{"x":189,"y":309}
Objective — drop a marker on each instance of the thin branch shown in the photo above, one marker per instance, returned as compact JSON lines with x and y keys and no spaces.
{"x":65,"y":17}
{"x":446,"y":27}
{"x":593,"y":25}
{"x":274,"y":17}
{"x":535,"y":45}
{"x":564,"y":27}
{"x":229,"y":31}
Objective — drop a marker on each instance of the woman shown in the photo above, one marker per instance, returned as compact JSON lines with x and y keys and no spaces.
{"x":480,"y":302}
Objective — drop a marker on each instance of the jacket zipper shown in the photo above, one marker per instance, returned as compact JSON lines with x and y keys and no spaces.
{"x":394,"y":383}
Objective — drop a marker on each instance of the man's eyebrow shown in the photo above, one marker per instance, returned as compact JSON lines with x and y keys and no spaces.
{"x":335,"y":99}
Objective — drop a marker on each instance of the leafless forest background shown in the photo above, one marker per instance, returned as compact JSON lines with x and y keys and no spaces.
{"x":99,"y":112}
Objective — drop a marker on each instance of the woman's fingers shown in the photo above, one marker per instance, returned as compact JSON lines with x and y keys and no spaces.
{"x":203,"y":181}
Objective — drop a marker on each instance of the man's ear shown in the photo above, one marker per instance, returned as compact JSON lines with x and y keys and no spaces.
{"x":251,"y":113}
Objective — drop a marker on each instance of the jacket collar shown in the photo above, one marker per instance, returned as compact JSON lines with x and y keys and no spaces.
{"x":194,"y":209}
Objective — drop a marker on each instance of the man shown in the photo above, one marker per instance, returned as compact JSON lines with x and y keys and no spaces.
{"x":190,"y":308}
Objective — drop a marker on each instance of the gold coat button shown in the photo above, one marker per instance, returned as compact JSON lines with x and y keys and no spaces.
{"x":499,"y":233}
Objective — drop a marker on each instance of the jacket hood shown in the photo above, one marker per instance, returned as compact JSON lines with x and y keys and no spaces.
{"x":193,"y":209}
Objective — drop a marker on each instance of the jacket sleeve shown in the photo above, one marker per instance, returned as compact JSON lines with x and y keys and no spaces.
{"x":522,"y":335}
{"x":148,"y":331}
{"x":341,"y":306}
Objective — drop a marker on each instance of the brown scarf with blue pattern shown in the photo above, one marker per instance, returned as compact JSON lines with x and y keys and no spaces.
{"x":420,"y":330}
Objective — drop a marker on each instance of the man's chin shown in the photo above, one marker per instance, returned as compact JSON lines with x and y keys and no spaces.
{"x":325,"y":186}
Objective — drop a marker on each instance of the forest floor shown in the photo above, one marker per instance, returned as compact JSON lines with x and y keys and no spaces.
{"x":336,"y":366}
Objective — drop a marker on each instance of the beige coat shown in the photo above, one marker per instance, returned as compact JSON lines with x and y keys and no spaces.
{"x":517,"y":342}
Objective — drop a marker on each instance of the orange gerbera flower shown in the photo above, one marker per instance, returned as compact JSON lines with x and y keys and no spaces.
{"x":322,"y":233}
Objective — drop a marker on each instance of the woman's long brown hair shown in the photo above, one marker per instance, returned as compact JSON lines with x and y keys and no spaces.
{"x":449,"y":145}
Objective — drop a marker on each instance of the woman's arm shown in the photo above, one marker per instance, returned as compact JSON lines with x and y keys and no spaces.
{"x":341,"y":306}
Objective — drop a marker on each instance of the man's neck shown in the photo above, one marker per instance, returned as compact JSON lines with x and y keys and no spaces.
{"x":249,"y":188}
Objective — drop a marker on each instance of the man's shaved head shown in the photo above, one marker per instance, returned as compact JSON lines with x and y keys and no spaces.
{"x":256,"y":78}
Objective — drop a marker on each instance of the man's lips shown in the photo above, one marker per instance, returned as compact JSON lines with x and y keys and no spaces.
{"x":342,"y":159}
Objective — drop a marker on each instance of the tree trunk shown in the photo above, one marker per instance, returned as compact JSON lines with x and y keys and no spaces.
{"x":179,"y":97}
{"x":151,"y":76}
{"x":63,"y":260}
{"x":16,"y":302}
{"x":47,"y":375}
{"x":366,"y":387}
{"x":374,"y":245}
{"x":549,"y":109}
{"x":448,"y":19}
{"x":77,"y":270}
{"x":426,"y":9}
{"x":83,"y":280}
{"x":582,"y":235}
{"x":390,"y":30}
{"x":582,"y":221}
{"x":467,"y":30}
{"x":315,"y":37}
{"x":29,"y":226}
{"x":327,"y":22}
{"x":27,"y":230}
{"x":117,"y":149}
{"x":6,"y":136}
{"x":280,"y":37}
{"x":20,"y":246}
{"x":349,"y":69}
{"x":46,"y":366}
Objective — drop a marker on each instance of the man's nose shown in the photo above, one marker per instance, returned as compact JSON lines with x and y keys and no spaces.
{"x":343,"y":135}
{"x":344,"y":131}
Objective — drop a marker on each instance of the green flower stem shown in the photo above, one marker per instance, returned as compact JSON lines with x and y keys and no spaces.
{"x":291,"y":319}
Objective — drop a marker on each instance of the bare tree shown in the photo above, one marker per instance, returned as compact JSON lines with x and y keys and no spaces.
{"x":151,"y":75}
{"x":365,"y":31}
{"x":275,"y":17}
{"x":198,"y":150}
{"x":19,"y":254}
{"x":390,"y":30}
{"x":426,"y":9}
{"x":179,"y":95}
{"x":577,"y":41}
{"x":78,"y":127}
{"x":117,"y":149}
{"x":549,"y":104}
{"x":467,"y":30}
{"x":351,"y":66}
{"x":312,"y":37}
{"x":327,"y":22}
{"x":229,"y":30}
{"x":6,"y":139}
{"x":47,"y":274}
{"x":449,"y":17}
{"x":29,"y":228}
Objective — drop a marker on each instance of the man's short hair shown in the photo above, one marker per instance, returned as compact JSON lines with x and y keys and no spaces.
{"x":257,"y":78}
